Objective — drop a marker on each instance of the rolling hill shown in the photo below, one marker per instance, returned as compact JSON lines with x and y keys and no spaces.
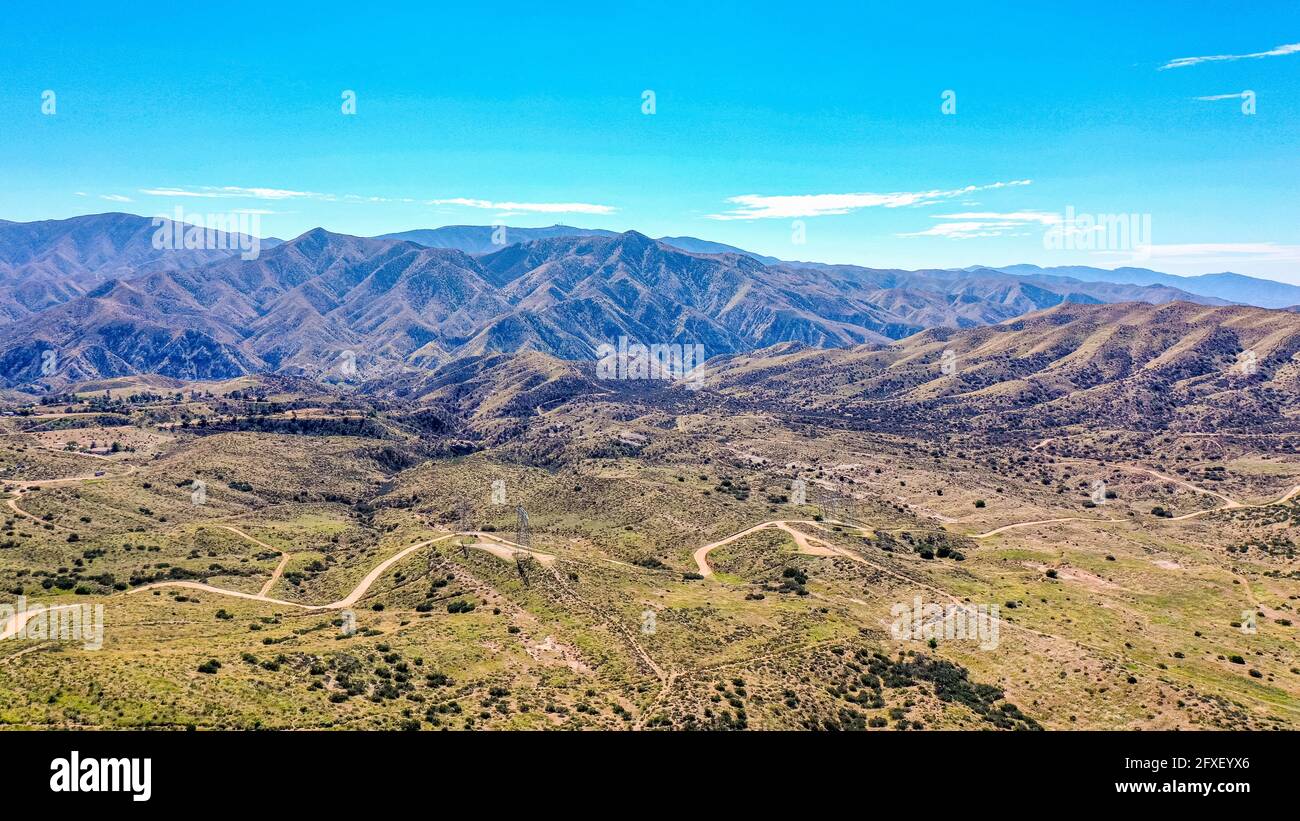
{"x":1174,"y":366}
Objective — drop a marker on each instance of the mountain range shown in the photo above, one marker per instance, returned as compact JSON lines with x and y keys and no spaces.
{"x":1262,"y":293}
{"x":485,"y":239}
{"x":95,"y":291}
{"x":1230,"y":287}
{"x":49,"y":262}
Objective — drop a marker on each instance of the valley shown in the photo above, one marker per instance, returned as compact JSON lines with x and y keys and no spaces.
{"x":927,"y":377}
{"x":350,"y":566}
{"x":387,"y":483}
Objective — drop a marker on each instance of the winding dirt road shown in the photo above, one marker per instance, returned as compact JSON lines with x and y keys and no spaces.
{"x":352,"y":598}
{"x":1015,"y":525}
{"x":814,"y":546}
{"x":17,"y":621}
{"x":279,"y":568}
{"x":342,"y":604}
{"x":21,"y":486}
{"x":508,"y":549}
{"x":1230,"y":504}
{"x":1239,"y":506}
{"x":807,"y":544}
{"x":1028,"y":632}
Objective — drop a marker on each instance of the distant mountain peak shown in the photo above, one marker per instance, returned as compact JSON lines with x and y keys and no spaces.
{"x":1227,"y":286}
{"x":97,"y":288}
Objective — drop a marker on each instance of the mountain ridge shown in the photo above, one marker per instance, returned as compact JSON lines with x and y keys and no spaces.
{"x":1262,"y":293}
{"x":1229,"y":286}
{"x":392,"y":304}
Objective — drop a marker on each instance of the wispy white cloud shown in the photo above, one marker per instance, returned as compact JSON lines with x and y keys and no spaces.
{"x":1239,"y":95}
{"x":234,"y":192}
{"x":109,"y":197}
{"x":528,"y":207}
{"x":972,"y":224}
{"x":1279,"y":51}
{"x":788,"y":206}
{"x":966,"y":230}
{"x":279,"y":194}
{"x":1043,"y":217}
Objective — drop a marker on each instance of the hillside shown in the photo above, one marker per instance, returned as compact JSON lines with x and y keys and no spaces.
{"x":52,"y":261}
{"x":303,"y":306}
{"x":1178,"y":365}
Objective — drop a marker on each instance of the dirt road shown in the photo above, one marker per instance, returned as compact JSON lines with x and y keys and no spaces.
{"x":21,"y":486}
{"x":806,"y":544}
{"x":342,"y":604}
{"x":279,"y":568}
{"x":1230,"y":504}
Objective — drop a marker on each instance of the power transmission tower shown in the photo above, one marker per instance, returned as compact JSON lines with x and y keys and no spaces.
{"x":522,"y":558}
{"x":829,"y":502}
{"x":462,"y":515}
{"x":522,"y":537}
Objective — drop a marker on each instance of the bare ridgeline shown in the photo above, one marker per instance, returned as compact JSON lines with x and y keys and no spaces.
{"x":595,"y":480}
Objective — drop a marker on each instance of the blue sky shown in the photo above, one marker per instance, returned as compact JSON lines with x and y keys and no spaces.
{"x":772,"y":123}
